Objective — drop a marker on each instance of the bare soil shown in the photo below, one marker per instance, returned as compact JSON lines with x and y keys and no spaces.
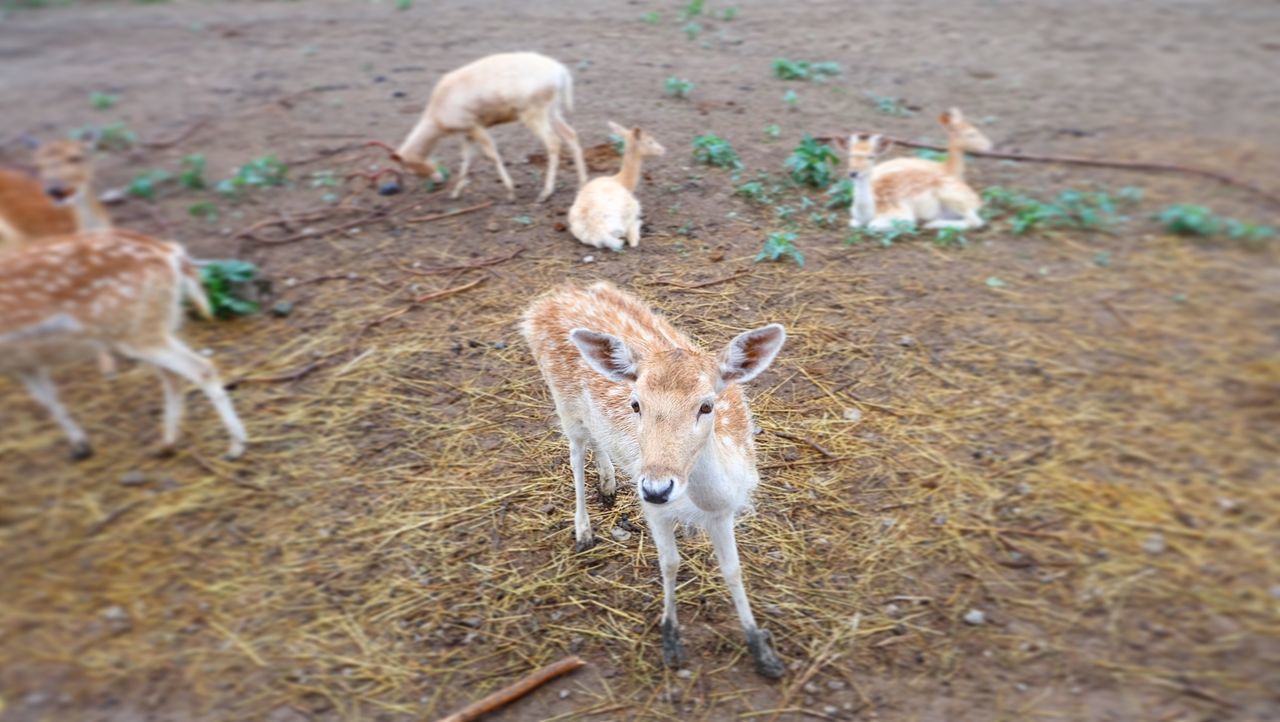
{"x":1085,"y":449}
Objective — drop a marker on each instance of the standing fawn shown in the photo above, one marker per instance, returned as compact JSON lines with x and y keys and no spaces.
{"x":641,"y":395}
{"x":58,"y":201}
{"x":68,"y":298}
{"x":493,"y":90}
{"x":914,"y":190}
{"x":606,"y":209}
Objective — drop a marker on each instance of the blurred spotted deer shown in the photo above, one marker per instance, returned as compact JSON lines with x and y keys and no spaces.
{"x":606,"y":210}
{"x":71,"y":297}
{"x":916,"y":190}
{"x":58,"y":200}
{"x":642,"y":396}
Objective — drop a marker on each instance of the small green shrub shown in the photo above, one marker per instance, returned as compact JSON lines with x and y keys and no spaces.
{"x":652,"y":17}
{"x":791,"y":99}
{"x":1070,"y":209}
{"x":840,"y":194}
{"x":145,"y":184}
{"x":891,"y":105}
{"x":204,"y":210}
{"x":262,"y":172}
{"x":811,"y":163}
{"x":103,"y":101}
{"x":1191,"y":220}
{"x":192,"y":175}
{"x":773,"y":131}
{"x":785,"y":69}
{"x":220,"y":279}
{"x":678,"y":87}
{"x":779,"y":245}
{"x":115,"y":136}
{"x":711,"y":149}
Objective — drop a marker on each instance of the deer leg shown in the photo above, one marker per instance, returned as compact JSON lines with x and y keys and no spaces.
{"x":468,"y":150}
{"x":759,"y":641}
{"x":663,"y":532}
{"x":541,"y":126}
{"x":482,"y":138}
{"x":608,"y":477}
{"x":570,"y":136}
{"x":43,"y":391}
{"x":172,"y":410}
{"x":584,"y":539}
{"x":177,"y":358}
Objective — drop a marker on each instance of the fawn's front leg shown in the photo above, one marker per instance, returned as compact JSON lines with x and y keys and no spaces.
{"x":759,"y":641}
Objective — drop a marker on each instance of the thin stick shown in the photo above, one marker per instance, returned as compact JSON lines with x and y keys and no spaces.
{"x":690,"y":286}
{"x":515,"y":691}
{"x":288,"y":376}
{"x":802,"y":440}
{"x":190,"y":131}
{"x":1073,"y":160}
{"x":448,"y":291}
{"x":482,"y":263}
{"x":449,"y":214}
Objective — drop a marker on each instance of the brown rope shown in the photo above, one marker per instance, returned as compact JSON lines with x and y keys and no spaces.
{"x":1072,"y":160}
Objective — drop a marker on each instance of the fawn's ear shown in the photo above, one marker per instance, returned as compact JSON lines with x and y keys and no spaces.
{"x":750,"y":353}
{"x":608,"y":355}
{"x":951,"y":117}
{"x":618,"y":130}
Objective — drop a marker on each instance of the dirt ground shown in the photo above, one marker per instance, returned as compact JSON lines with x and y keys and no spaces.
{"x":1084,"y":450}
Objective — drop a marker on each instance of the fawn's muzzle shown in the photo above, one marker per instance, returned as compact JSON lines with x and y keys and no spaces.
{"x":656,"y":491}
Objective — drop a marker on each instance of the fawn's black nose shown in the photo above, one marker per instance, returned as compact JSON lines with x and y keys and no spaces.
{"x":657,"y":491}
{"x":56,"y":191}
{"x":853,"y":174}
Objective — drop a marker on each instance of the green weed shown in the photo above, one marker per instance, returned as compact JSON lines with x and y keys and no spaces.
{"x":785,"y":69}
{"x":103,"y":101}
{"x":204,"y":210}
{"x":711,"y":149}
{"x":791,"y":99}
{"x":145,"y":184}
{"x":890,"y":105}
{"x":678,"y":87}
{"x":811,"y":163}
{"x":840,"y":194}
{"x":220,"y":279}
{"x":773,"y":131}
{"x":1191,"y":220}
{"x":262,"y":172}
{"x":1070,"y":209}
{"x":192,"y":175}
{"x":779,"y":245}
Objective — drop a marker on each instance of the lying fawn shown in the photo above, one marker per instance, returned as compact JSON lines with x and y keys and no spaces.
{"x":71,"y":297}
{"x":58,"y":201}
{"x":641,"y":395}
{"x":493,"y":90}
{"x":606,"y":209}
{"x":914,"y":190}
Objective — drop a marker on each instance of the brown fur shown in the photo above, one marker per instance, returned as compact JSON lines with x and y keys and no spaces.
{"x":28,"y":212}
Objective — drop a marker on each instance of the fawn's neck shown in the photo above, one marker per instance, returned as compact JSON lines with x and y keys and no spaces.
{"x":716,"y":480}
{"x":864,"y":199}
{"x":954,"y":164}
{"x":421,"y":141}
{"x":89,"y":213}
{"x":629,"y":176}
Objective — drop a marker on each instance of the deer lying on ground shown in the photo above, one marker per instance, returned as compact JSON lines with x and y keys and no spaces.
{"x":915,"y":190}
{"x":71,"y":297}
{"x":606,"y":209}
{"x":493,"y":90}
{"x":58,"y":201}
{"x":643,"y":397}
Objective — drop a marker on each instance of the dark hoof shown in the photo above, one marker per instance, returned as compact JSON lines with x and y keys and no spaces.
{"x":768,"y":663}
{"x":583,"y":545}
{"x":607,"y":500}
{"x":672,"y":649}
{"x":81,"y":451}
{"x":164,"y":451}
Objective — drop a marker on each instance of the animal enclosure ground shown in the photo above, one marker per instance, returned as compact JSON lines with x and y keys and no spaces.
{"x":1071,"y":433}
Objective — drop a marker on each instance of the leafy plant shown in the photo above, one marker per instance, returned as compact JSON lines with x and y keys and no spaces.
{"x":1070,"y":209}
{"x":692,"y":29}
{"x":192,"y":175}
{"x":652,"y":17}
{"x":886,"y":236}
{"x":791,"y":99}
{"x":261,"y":172}
{"x":678,"y":87}
{"x":811,"y":163}
{"x":840,"y":194}
{"x":779,"y":245}
{"x":754,"y":190}
{"x":115,"y":136}
{"x":711,"y":149}
{"x":404,"y":4}
{"x":950,"y":237}
{"x":694,"y":8}
{"x":773,"y":131}
{"x":1191,"y":220}
{"x":325,"y":178}
{"x":144,"y":184}
{"x":206,"y":210}
{"x":221,"y":280}
{"x":891,"y":105}
{"x":729,"y":13}
{"x":785,"y":69}
{"x":103,"y":101}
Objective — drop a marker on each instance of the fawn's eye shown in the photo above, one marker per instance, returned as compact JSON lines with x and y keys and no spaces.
{"x":705,"y":409}
{"x":635,"y":406}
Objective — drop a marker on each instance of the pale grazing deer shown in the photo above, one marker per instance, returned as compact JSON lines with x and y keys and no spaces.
{"x":493,"y":90}
{"x":916,"y":190}
{"x":643,"y":397}
{"x":57,"y":201}
{"x":606,"y":209}
{"x":71,"y":297}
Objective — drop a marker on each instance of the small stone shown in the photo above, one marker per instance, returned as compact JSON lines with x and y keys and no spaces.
{"x":1154,"y":544}
{"x":892,"y":611}
{"x":619,"y":533}
{"x":379,"y":78}
{"x":206,"y":352}
{"x":398,"y":94}
{"x":389,"y":188}
{"x":35,"y":699}
{"x":940,"y":519}
{"x":493,"y":227}
{"x":1275,"y":591}
{"x":1230,"y":506}
{"x":588,"y":259}
{"x":830,"y":709}
{"x":811,"y":688}
{"x":685,"y":674}
{"x":500,"y":345}
{"x":473,"y":622}
{"x":282,"y":309}
{"x":888,"y":522}
{"x":133,"y":478}
{"x":854,"y":415}
{"x":835,"y":685}
{"x":975,"y":617}
{"x":548,"y":508}
{"x":907,"y":341}
{"x":117,"y":618}
{"x":575,"y":644}
{"x":564,"y":694}
{"x":113,"y":196}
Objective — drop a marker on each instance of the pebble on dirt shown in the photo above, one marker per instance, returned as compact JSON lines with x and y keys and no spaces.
{"x":975,"y":617}
{"x":282,"y":309}
{"x":620,"y":534}
{"x":1154,"y":544}
{"x":133,"y":478}
{"x":588,"y":259}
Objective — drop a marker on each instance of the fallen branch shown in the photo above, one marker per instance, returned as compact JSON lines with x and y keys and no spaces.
{"x":800,"y":439}
{"x":434,"y":295}
{"x":690,"y":286}
{"x":278,"y":378}
{"x":515,"y":691}
{"x":482,"y":263}
{"x":449,"y":214}
{"x":187,"y":133}
{"x":1073,"y":160}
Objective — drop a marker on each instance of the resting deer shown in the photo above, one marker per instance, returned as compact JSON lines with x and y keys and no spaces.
{"x":59,"y":200}
{"x":641,"y":395}
{"x":71,"y":297}
{"x":606,"y":209}
{"x":493,"y":90}
{"x":915,"y":190}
